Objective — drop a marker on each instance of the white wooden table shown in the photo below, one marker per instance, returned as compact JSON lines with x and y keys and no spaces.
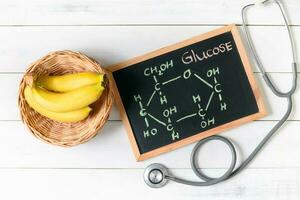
{"x":115,"y":30}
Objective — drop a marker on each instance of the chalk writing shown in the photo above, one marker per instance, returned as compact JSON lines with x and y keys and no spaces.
{"x":165,"y":119}
{"x":191,"y":56}
{"x":185,"y":92}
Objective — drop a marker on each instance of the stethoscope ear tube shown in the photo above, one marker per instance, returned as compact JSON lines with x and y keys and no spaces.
{"x":156,"y":175}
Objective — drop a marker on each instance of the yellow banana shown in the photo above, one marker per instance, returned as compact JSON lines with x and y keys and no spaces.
{"x":73,"y":116}
{"x":68,"y":82}
{"x":68,"y":101}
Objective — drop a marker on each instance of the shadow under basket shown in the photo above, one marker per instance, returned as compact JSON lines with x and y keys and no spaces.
{"x":57,"y":133}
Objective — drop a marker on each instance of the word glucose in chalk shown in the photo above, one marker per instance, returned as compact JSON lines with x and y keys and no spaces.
{"x":190,"y":56}
{"x":185,"y":92}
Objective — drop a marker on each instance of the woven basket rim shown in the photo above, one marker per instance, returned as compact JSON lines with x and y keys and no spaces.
{"x":57,"y":133}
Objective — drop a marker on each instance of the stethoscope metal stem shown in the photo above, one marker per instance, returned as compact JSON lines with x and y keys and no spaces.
{"x":157,"y":175}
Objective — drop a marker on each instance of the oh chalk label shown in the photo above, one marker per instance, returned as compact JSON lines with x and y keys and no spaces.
{"x":185,"y":92}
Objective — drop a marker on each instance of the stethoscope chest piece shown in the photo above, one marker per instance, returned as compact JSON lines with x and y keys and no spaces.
{"x":155,"y":175}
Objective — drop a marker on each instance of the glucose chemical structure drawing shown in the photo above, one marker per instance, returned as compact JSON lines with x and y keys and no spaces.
{"x":201,"y":105}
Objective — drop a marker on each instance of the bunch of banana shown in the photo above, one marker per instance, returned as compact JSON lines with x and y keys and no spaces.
{"x":65,"y":98}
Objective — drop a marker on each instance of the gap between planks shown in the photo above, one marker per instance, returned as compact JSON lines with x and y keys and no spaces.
{"x":138,"y":168}
{"x":119,"y":120}
{"x":273,"y":72}
{"x":141,"y":25}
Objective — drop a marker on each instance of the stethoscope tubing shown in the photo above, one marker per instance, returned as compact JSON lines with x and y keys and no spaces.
{"x":231,"y":171}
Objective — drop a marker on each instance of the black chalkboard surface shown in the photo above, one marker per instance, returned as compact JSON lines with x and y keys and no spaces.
{"x":185,"y":92}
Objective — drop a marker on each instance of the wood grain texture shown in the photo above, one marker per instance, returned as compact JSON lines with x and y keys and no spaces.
{"x":21,"y":46}
{"x":49,"y":184}
{"x":276,"y":106}
{"x":22,"y":150}
{"x":107,"y":31}
{"x":101,"y":12}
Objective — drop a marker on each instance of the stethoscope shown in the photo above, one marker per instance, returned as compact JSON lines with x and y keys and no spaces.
{"x":156,"y":175}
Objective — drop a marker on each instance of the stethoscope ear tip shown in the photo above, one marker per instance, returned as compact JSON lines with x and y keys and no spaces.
{"x":260,"y":2}
{"x":155,"y":175}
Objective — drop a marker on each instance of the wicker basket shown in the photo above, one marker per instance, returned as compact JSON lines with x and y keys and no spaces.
{"x":65,"y":134}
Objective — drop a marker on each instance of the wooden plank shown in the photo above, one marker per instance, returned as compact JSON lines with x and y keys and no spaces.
{"x":111,"y":149}
{"x":276,"y":106}
{"x":113,"y":44}
{"x":76,"y":12}
{"x":49,"y":184}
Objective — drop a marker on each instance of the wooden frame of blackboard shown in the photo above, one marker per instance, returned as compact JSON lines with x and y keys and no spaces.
{"x":243,"y":55}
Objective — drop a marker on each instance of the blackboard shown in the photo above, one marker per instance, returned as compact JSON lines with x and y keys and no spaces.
{"x":185,"y":92}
